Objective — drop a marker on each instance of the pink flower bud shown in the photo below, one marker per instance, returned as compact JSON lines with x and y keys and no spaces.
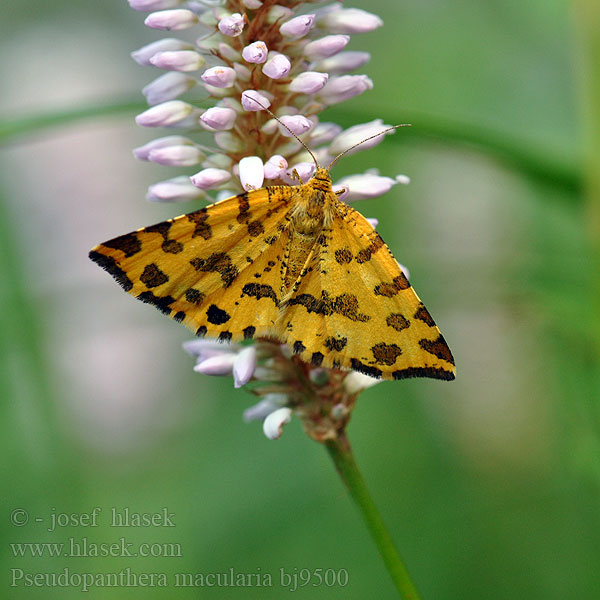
{"x":142,"y":152}
{"x":275,"y":166}
{"x":251,"y":172}
{"x":182,"y":155}
{"x":325,"y":46}
{"x":210,"y":178}
{"x":171,"y":20}
{"x":178,"y":189}
{"x":309,"y":82}
{"x":220,"y":77}
{"x":343,"y":62}
{"x":356,"y":134}
{"x":244,"y":365}
{"x":232,"y":26}
{"x":228,"y":53}
{"x":168,"y":87}
{"x":273,"y":424}
{"x":144,"y":54}
{"x":229,"y":142}
{"x":350,"y":20}
{"x":242,"y":72}
{"x":324,"y":133}
{"x":252,"y":4}
{"x":165,"y":114}
{"x":148,"y":5}
{"x":298,"y":26}
{"x":344,"y":87}
{"x":220,"y":364}
{"x":277,"y":66}
{"x":256,"y":53}
{"x":304,"y":169}
{"x":178,"y":60}
{"x":372,"y":222}
{"x":254,"y":101}
{"x":297,"y":123}
{"x":366,"y":185}
{"x":402,"y":179}
{"x":218,"y":118}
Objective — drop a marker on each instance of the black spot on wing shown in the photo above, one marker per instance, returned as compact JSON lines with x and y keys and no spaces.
{"x":163,"y":303}
{"x":316,"y":359}
{"x":243,"y":209}
{"x":249,"y":332}
{"x":216,"y":315}
{"x":225,"y":336}
{"x":438,"y":347}
{"x":152,"y":276}
{"x":218,"y":262}
{"x":201,"y":331}
{"x":386,"y":354}
{"x":433,"y":372}
{"x":255,"y":228}
{"x":172,"y":246}
{"x":299,"y":347}
{"x":357,"y":365}
{"x":202,"y":228}
{"x":397,"y":321}
{"x":194,"y":296}
{"x":423,"y":315}
{"x":390,"y":289}
{"x":179,"y":316}
{"x":129,"y":244}
{"x":343,"y":256}
{"x":259,"y":290}
{"x":335,"y":344}
{"x":109,"y":264}
{"x":366,"y":253}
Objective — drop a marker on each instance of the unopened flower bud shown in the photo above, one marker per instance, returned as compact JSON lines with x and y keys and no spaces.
{"x":171,"y":20}
{"x":210,"y":178}
{"x":365,"y":186}
{"x":403,"y":179}
{"x":252,"y":4}
{"x":218,"y":118}
{"x":278,"y":13}
{"x":221,"y":364}
{"x":229,"y":53}
{"x":325,"y":46}
{"x":144,"y":54}
{"x":168,"y":87}
{"x":359,"y":133}
{"x":142,"y":152}
{"x":298,"y":26}
{"x":296,"y":123}
{"x":148,"y":5}
{"x":232,"y":26}
{"x":220,"y":77}
{"x":324,"y":133}
{"x":176,"y":156}
{"x":178,"y":60}
{"x":356,"y":382}
{"x":344,"y":87}
{"x":243,"y":366}
{"x":178,"y":189}
{"x":256,"y":53}
{"x":343,"y":62}
{"x":277,"y":66}
{"x":253,"y":100}
{"x":229,"y":142}
{"x":251,"y":172}
{"x":165,"y":114}
{"x":273,"y":424}
{"x":309,"y":82}
{"x":275,"y":166}
{"x":304,"y":170}
{"x":349,"y":20}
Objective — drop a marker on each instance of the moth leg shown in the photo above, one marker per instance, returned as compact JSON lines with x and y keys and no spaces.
{"x":341,"y":192}
{"x":296,"y":176}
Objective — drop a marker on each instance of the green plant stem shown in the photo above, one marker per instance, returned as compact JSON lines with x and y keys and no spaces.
{"x":532,"y":160}
{"x":341,"y":453}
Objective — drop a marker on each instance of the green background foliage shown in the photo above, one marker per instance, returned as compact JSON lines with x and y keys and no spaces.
{"x":489,"y":484}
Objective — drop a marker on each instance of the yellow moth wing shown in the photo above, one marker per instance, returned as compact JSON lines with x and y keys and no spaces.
{"x":354,"y":308}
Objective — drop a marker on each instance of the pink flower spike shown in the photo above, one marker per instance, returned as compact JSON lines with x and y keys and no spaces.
{"x":249,"y":104}
{"x":343,"y":62}
{"x":273,"y":424}
{"x":275,"y":166}
{"x":252,"y":173}
{"x":220,"y":77}
{"x":344,"y":87}
{"x":171,"y":20}
{"x":178,"y":60}
{"x":168,"y":87}
{"x":144,"y":54}
{"x":309,"y":82}
{"x":232,"y":26}
{"x":244,"y":365}
{"x":365,"y":186}
{"x":277,"y":66}
{"x":218,"y":118}
{"x":178,"y":189}
{"x":350,"y":20}
{"x":221,"y":364}
{"x":325,"y":47}
{"x":297,"y":123}
{"x":176,"y":156}
{"x":165,"y":114}
{"x":148,"y":5}
{"x":210,"y":178}
{"x":256,"y":53}
{"x":298,"y":26}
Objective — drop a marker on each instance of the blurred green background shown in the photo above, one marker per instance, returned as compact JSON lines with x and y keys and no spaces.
{"x":489,"y":484}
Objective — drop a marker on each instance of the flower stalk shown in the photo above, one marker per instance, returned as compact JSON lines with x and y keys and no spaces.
{"x":341,"y":453}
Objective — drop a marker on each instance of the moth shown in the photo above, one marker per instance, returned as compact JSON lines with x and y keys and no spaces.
{"x":287,"y":263}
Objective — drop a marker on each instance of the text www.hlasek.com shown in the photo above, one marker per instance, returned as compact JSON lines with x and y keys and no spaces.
{"x":82,"y":547}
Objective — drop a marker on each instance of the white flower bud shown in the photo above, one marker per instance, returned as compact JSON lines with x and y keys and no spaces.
{"x":273,"y":424}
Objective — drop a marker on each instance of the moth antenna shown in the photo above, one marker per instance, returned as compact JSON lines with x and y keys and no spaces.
{"x":286,"y":127}
{"x":363,"y":141}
